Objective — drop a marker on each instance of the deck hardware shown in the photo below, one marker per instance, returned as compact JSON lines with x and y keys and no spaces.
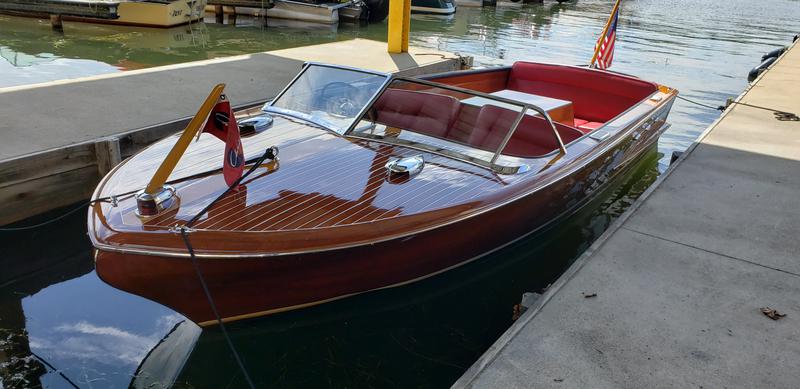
{"x":178,"y":229}
{"x":599,"y":135}
{"x":255,"y":124}
{"x":406,"y":165}
{"x":148,"y":204}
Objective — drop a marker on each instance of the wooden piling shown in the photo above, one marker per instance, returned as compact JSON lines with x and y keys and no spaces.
{"x":107,"y":154}
{"x":56,"y":23}
{"x":232,"y":16}
{"x":219,"y":14}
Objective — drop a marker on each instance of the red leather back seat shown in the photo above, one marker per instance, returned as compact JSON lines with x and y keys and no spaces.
{"x":423,"y":112}
{"x":533,"y":137}
{"x":596,"y":96}
{"x":483,"y":127}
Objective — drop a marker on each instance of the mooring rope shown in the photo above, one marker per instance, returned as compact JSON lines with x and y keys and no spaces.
{"x":270,"y":153}
{"x":69,"y":381}
{"x":779,"y":115}
{"x":83,"y":205}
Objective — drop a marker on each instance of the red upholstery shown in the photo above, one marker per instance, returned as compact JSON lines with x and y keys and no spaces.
{"x":483,"y":127}
{"x":533,"y":137}
{"x":423,"y":112}
{"x":580,"y":122}
{"x":597,"y":96}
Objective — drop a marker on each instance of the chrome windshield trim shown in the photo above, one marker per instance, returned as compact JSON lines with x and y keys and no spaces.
{"x":305,"y":117}
{"x":345,"y":67}
{"x":368,"y":105}
{"x":270,"y":108}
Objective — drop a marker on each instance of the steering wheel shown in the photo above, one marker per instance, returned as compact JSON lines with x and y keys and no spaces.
{"x":339,"y":99}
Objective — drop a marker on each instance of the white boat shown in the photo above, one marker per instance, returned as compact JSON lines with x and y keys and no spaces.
{"x":147,"y":13}
{"x":438,"y":7}
{"x":316,"y":12}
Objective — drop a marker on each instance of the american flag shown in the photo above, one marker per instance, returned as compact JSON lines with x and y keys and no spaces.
{"x":605,"y":53}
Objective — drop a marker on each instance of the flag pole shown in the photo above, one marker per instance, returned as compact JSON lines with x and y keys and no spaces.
{"x":603,"y":34}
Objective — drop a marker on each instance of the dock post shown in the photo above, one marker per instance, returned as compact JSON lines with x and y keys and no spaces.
{"x":399,"y":25}
{"x":232,"y":16}
{"x":219,"y":14}
{"x":108,"y":154}
{"x":56,"y":23}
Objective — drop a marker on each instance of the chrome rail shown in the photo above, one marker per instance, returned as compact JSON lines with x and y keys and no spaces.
{"x":524,"y":108}
{"x":509,"y":134}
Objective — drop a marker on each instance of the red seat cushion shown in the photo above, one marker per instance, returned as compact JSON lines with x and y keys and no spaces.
{"x":596,"y":96}
{"x":533,"y":137}
{"x":580,"y":122}
{"x":422,"y":112}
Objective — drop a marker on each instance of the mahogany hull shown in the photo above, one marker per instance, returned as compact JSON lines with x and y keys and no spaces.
{"x":248,"y":287}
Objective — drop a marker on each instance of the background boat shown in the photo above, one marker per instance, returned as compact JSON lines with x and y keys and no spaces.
{"x":315,"y":11}
{"x":439,"y":7}
{"x":147,"y":13}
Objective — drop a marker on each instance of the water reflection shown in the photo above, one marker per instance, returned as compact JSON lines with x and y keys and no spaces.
{"x":422,"y":335}
{"x":53,"y":308}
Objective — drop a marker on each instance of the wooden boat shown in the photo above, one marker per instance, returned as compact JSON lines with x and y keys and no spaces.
{"x":380,"y":181}
{"x":146,"y":13}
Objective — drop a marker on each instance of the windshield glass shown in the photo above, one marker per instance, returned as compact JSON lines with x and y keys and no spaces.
{"x":329,"y":96}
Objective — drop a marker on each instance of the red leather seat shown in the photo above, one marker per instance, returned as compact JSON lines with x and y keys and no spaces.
{"x":596,"y":96}
{"x":534,"y":136}
{"x":422,"y":112}
{"x":579,"y":122}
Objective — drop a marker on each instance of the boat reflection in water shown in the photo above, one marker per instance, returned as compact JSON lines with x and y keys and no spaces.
{"x":381,"y":181}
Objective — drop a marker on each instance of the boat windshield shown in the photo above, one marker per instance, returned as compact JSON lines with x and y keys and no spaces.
{"x":330,"y":96}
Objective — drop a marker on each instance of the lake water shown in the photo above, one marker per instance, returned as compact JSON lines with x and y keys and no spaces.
{"x":54,"y":308}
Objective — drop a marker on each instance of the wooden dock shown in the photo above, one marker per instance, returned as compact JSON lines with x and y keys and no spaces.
{"x":683,"y":285}
{"x":60,"y":137}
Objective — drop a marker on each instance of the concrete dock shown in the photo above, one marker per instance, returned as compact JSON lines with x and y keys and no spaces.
{"x":681,"y":279}
{"x":60,"y":137}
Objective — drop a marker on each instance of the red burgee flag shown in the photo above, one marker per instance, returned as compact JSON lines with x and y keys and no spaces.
{"x":222,"y":124}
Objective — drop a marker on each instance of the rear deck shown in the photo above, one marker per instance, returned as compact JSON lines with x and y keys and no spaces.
{"x":682,"y":277}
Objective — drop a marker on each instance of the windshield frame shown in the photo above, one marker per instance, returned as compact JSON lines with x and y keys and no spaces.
{"x":270,"y":108}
